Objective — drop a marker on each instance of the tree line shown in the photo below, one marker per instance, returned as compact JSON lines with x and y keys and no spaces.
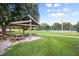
{"x":58,"y":26}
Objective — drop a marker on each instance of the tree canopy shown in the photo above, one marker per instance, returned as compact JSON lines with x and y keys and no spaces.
{"x":10,"y":12}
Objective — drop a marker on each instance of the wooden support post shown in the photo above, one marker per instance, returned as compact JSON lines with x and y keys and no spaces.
{"x":10,"y":28}
{"x":30,"y":30}
{"x":19,"y":29}
{"x":23,"y":31}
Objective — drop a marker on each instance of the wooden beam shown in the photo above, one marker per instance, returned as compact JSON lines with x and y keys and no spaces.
{"x":33,"y":19}
{"x":19,"y":22}
{"x":25,"y":25}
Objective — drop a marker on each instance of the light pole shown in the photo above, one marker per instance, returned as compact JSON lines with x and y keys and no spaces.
{"x":62,"y":22}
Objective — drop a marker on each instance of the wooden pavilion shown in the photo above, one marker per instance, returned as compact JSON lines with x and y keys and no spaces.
{"x":28,"y":22}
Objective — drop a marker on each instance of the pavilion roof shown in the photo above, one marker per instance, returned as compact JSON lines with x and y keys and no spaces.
{"x":25,"y":21}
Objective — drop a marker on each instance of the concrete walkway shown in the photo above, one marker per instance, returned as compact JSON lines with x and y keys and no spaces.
{"x":5,"y":44}
{"x":61,"y":36}
{"x":27,"y":39}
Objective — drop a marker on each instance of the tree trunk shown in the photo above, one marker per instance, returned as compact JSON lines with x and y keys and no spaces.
{"x":3,"y":32}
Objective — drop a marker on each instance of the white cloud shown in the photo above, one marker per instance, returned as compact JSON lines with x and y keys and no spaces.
{"x":56,"y":10}
{"x":52,"y":14}
{"x":39,"y":9}
{"x":59,"y":14}
{"x":56,"y":5}
{"x":66,"y":9}
{"x":49,"y":10}
{"x":53,"y":10}
{"x":49,"y":5}
{"x":75,"y":14}
{"x":56,"y":14}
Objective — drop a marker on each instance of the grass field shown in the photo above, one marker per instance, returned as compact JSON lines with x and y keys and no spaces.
{"x":58,"y":33}
{"x":48,"y":32}
{"x":48,"y":46}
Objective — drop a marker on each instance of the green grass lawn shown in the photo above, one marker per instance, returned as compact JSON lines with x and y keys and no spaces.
{"x":48,"y":46}
{"x":17,"y":31}
{"x":57,"y":33}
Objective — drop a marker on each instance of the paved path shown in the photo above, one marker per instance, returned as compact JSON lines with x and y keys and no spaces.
{"x":61,"y":36}
{"x":27,"y":39}
{"x":4,"y":44}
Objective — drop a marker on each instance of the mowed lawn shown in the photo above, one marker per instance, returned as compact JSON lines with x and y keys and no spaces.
{"x":47,"y":46}
{"x":57,"y":33}
{"x":47,"y":32}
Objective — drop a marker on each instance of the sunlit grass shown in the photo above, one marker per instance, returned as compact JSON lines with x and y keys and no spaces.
{"x":57,"y":33}
{"x":20,"y":31}
{"x":47,"y":46}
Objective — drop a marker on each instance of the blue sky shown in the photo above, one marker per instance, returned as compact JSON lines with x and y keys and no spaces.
{"x":53,"y":12}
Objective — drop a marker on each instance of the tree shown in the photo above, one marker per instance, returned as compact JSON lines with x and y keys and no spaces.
{"x":23,"y":9}
{"x":77,"y":27}
{"x":4,"y":17}
{"x":67,"y":26}
{"x":44,"y":26}
{"x":14,"y":12}
{"x":33,"y":10}
{"x":56,"y":26}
